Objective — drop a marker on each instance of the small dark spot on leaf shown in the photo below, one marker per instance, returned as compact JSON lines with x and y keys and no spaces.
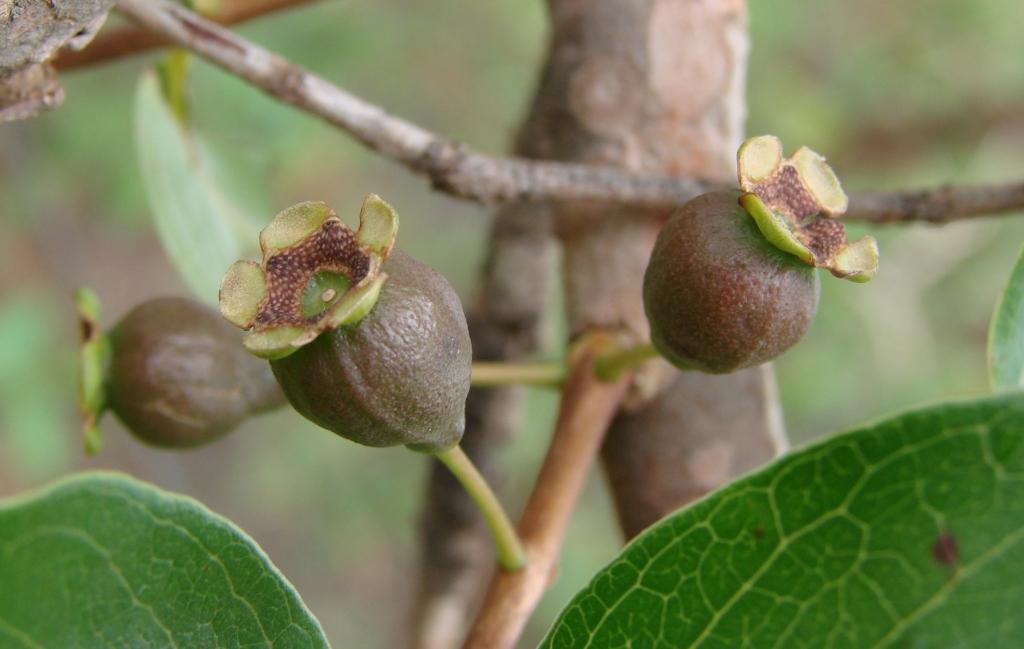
{"x":945,"y":551}
{"x":758,"y":533}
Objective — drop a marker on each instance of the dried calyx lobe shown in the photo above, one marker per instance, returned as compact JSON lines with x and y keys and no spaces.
{"x":179,"y":377}
{"x":367,"y":343}
{"x":316,"y":274}
{"x":718,"y":295}
{"x":796,"y":203}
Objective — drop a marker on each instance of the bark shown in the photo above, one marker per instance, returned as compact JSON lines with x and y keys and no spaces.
{"x":28,"y":91}
{"x":639,"y":86}
{"x":31,"y":32}
{"x":703,"y":431}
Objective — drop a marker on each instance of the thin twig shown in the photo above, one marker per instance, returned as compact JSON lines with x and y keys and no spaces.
{"x":456,"y":169}
{"x":937,"y":205}
{"x":129,"y":40}
{"x":587,"y":408}
{"x":452,"y":167}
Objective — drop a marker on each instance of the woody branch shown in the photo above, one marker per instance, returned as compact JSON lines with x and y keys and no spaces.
{"x":458,"y":170}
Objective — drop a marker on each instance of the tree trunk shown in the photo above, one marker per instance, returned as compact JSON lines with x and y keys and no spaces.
{"x":699,"y":434}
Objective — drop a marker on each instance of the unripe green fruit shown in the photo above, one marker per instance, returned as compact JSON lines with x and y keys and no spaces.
{"x":718,"y":295}
{"x":179,"y":375}
{"x":398,"y":376}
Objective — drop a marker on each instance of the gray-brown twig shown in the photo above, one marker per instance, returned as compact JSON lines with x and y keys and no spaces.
{"x":587,"y":408}
{"x":458,"y":170}
{"x":936,"y":205}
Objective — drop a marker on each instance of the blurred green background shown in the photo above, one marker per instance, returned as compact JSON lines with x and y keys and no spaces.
{"x":895,"y":93}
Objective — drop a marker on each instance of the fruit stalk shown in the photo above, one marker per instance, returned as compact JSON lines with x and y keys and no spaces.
{"x":511,"y":554}
{"x":611,"y":365}
{"x":493,"y":373}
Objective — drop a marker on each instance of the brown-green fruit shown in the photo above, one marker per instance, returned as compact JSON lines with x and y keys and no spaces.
{"x":179,"y":375}
{"x":398,"y":376}
{"x":718,"y":295}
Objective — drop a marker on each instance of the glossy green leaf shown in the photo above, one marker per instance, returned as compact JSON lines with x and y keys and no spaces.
{"x":102,"y":560}
{"x":200,"y":226}
{"x":908,"y":533}
{"x":1006,"y":336}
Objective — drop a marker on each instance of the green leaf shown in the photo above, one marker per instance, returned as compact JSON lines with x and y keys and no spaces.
{"x":34,"y":364}
{"x":908,"y":533}
{"x":200,"y":226}
{"x":102,"y":560}
{"x":1006,"y":335}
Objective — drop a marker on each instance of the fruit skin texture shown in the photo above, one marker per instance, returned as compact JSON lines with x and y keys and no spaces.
{"x":718,"y":295}
{"x":398,"y":376}
{"x":180,"y":377}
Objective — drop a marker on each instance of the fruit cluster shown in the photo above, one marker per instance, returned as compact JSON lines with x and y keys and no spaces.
{"x":372,"y":345}
{"x":363,"y":340}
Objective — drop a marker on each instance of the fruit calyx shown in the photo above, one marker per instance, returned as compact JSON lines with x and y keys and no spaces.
{"x":795,"y":202}
{"x":94,"y":357}
{"x":316,"y":274}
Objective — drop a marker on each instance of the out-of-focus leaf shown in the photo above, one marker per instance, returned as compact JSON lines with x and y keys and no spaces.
{"x":908,"y":533}
{"x":102,"y":560}
{"x":33,"y":396}
{"x":200,"y":226}
{"x":1006,"y":335}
